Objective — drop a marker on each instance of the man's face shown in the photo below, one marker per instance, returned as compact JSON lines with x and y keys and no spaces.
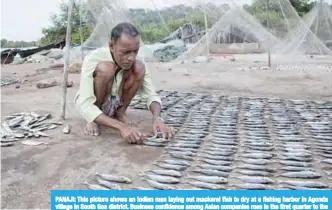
{"x":125,"y":50}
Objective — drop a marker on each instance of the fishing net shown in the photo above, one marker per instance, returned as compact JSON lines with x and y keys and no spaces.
{"x":235,"y":32}
{"x":308,"y":36}
{"x":102,"y":15}
{"x":185,"y":29}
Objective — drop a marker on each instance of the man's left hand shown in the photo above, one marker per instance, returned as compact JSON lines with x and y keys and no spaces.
{"x":159,"y":127}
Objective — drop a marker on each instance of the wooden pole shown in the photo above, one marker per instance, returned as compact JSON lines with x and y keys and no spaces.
{"x":81,"y":30}
{"x":66,"y":61}
{"x":268,"y":27}
{"x":207,"y":33}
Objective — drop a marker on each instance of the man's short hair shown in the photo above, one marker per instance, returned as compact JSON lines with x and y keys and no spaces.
{"x":123,"y":28}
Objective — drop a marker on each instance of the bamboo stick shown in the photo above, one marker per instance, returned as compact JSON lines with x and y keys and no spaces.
{"x":66,"y":61}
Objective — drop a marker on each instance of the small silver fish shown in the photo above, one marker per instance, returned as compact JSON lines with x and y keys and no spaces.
{"x":269,"y":149}
{"x":158,"y":185}
{"x":295,"y":168}
{"x":154,"y":144}
{"x":181,"y":149}
{"x":52,"y":126}
{"x":19,"y":135}
{"x":215,"y":157}
{"x":46,"y":116}
{"x":94,"y":186}
{"x":216,"y":162}
{"x":186,"y":145}
{"x":257,"y":155}
{"x":162,"y":178}
{"x":142,"y":188}
{"x":209,"y":179}
{"x":256,"y":167}
{"x":302,"y":174}
{"x":211,"y":172}
{"x":225,"y":153}
{"x":256,"y":161}
{"x":205,"y":185}
{"x":183,"y":153}
{"x":171,"y":166}
{"x":115,"y":178}
{"x":326,"y":155}
{"x":108,"y":184}
{"x":224,"y":142}
{"x":252,"y":186}
{"x":176,"y":162}
{"x":295,"y":163}
{"x":254,"y":173}
{"x":255,"y":144}
{"x":7,"y":144}
{"x":308,"y":184}
{"x":295,"y":158}
{"x":215,"y":167}
{"x":256,"y":179}
{"x":184,"y":157}
{"x":16,"y":121}
{"x":6,"y":129}
{"x":167,"y":172}
{"x":327,"y":161}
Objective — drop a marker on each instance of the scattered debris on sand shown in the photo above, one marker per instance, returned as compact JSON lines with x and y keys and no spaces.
{"x":66,"y":129}
{"x":46,"y":84}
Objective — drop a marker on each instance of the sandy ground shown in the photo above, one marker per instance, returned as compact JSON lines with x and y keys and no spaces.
{"x":28,"y":173}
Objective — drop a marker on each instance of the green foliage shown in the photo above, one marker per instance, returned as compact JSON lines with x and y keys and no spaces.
{"x":16,"y":44}
{"x":58,"y":29}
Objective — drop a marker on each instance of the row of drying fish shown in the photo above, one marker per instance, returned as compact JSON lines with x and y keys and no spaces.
{"x":260,"y":148}
{"x":171,"y":97}
{"x":25,"y":125}
{"x":288,"y":150}
{"x":180,"y":152}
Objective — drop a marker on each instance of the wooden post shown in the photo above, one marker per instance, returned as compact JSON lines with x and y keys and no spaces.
{"x":66,"y":61}
{"x":81,"y":29}
{"x":268,"y":27}
{"x":206,"y":33}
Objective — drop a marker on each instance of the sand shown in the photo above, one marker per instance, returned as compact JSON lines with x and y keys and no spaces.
{"x":28,"y":173}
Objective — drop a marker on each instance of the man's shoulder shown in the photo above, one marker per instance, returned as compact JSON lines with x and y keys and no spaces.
{"x":140,"y":63}
{"x":99,"y":55}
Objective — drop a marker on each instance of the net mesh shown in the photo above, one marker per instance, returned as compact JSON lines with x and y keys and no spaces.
{"x":235,"y":32}
{"x":258,"y":26}
{"x":305,"y":38}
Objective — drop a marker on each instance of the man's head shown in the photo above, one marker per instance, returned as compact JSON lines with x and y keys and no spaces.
{"x":124,"y":44}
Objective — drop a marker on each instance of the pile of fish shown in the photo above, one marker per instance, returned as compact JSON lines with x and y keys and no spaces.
{"x":245,"y":143}
{"x":108,"y":182}
{"x":8,"y":81}
{"x":25,"y":125}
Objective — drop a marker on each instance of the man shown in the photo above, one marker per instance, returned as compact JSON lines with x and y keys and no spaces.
{"x":110,"y":79}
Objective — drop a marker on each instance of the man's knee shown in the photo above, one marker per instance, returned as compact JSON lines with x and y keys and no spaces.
{"x":105,"y":71}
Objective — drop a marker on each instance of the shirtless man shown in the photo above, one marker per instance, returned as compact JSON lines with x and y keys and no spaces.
{"x":110,"y":79}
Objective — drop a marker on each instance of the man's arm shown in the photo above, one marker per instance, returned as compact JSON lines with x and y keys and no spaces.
{"x":103,"y":119}
{"x":155,"y":109}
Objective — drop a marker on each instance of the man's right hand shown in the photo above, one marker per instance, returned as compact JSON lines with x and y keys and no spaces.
{"x":131,"y":134}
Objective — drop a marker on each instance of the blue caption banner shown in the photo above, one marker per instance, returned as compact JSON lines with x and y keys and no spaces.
{"x":192,"y":199}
